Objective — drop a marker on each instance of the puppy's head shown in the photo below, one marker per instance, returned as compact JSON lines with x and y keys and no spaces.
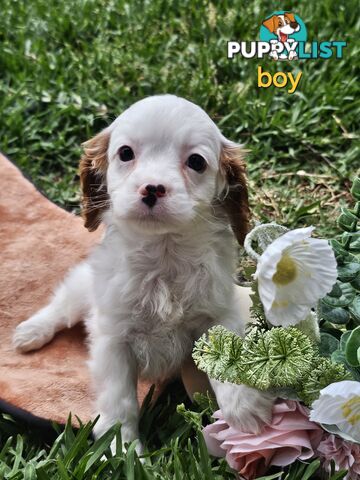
{"x":161,"y":166}
{"x":282,"y":25}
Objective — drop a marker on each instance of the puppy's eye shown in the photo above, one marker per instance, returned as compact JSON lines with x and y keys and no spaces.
{"x":196,"y":162}
{"x":126,"y":153}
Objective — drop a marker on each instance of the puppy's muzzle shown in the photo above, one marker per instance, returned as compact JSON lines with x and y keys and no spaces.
{"x":151,"y":193}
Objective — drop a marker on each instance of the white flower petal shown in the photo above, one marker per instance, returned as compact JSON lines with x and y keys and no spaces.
{"x":269,"y":259}
{"x":327,"y":410}
{"x":294,"y":273}
{"x":284,"y":315}
{"x":339,"y":404}
{"x":344,"y":389}
{"x":317,"y":270}
{"x":267,"y":292}
{"x":351,"y":430}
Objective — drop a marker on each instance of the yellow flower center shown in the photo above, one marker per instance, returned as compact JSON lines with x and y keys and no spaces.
{"x":280,"y":304}
{"x":351,"y":410}
{"x":285,"y":271}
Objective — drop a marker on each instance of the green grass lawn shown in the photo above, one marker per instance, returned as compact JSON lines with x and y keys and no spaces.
{"x":67,"y":69}
{"x":175,"y":448}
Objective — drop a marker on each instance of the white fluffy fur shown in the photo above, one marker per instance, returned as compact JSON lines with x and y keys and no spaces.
{"x":161,"y":276}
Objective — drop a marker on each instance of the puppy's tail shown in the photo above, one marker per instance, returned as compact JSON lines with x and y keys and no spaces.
{"x":70,"y":301}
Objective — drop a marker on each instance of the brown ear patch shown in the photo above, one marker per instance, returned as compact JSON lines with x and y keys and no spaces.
{"x":235,"y":200}
{"x":93,"y":166}
{"x":290,"y":16}
{"x":270,"y":23}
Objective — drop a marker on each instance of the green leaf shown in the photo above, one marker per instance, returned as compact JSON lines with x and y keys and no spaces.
{"x":218,"y":354}
{"x":343,"y":340}
{"x":333,"y":331}
{"x":355,"y":244}
{"x":99,"y":447}
{"x":130,"y":460}
{"x":336,"y":291}
{"x":204,"y":458}
{"x":279,"y":357}
{"x":339,"y":475}
{"x":338,"y":356}
{"x":333,"y":299}
{"x":311,"y":469}
{"x":306,"y":210}
{"x":347,"y":220}
{"x":352,"y":348}
{"x":328,"y":344}
{"x":354,"y":308}
{"x":337,"y":315}
{"x":324,"y":372}
{"x":62,"y":470}
{"x":341,"y":254}
{"x":338,"y":248}
{"x":356,"y":283}
{"x":355,"y":189}
{"x":271,"y":477}
{"x":348,"y":272}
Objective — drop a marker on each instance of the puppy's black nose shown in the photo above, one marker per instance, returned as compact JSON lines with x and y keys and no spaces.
{"x":294,"y":25}
{"x":150,"y":188}
{"x":152,"y":193}
{"x":150,"y":199}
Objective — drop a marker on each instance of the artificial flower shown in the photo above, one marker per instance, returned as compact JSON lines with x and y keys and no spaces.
{"x":290,"y":436}
{"x":293,"y":273}
{"x":345,"y":455}
{"x":276,"y":358}
{"x":339,"y":406}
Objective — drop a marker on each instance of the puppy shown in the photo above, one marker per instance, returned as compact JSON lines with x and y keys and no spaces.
{"x":167,"y":185}
{"x":283,"y":26}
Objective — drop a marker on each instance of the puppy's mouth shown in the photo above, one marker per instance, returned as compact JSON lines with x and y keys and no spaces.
{"x":283,"y":37}
{"x":144,"y":214}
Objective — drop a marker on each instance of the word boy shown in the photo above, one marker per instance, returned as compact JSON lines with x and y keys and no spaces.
{"x":265,"y":80}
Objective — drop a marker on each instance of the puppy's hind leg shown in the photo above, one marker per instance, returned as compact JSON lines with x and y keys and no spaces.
{"x":243,"y":407}
{"x":69,"y":302}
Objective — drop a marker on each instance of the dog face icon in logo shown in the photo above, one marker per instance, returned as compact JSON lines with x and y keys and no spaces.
{"x":282,"y":25}
{"x":283,"y":30}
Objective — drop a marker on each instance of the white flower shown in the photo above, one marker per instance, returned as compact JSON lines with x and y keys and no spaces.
{"x":339,"y":405}
{"x":293,"y":273}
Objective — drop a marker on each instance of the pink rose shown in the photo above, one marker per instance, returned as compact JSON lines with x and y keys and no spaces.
{"x":290,"y":436}
{"x":346,"y":456}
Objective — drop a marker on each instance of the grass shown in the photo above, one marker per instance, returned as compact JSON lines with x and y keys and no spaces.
{"x":175,"y":449}
{"x":178,"y":450}
{"x":67,"y":69}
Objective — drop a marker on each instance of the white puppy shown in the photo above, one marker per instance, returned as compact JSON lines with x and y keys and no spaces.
{"x":167,"y":184}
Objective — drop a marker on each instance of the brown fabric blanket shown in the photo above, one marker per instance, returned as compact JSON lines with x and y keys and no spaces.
{"x":38,"y":243}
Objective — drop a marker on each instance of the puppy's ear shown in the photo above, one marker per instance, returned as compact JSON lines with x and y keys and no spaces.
{"x":290,"y":16}
{"x":93,"y":167}
{"x":235,"y":195}
{"x":270,"y":23}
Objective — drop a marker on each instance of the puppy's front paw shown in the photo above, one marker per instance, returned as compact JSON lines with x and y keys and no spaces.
{"x":139,"y":448}
{"x":245,"y":408}
{"x":129,"y":433}
{"x":32,"y":334}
